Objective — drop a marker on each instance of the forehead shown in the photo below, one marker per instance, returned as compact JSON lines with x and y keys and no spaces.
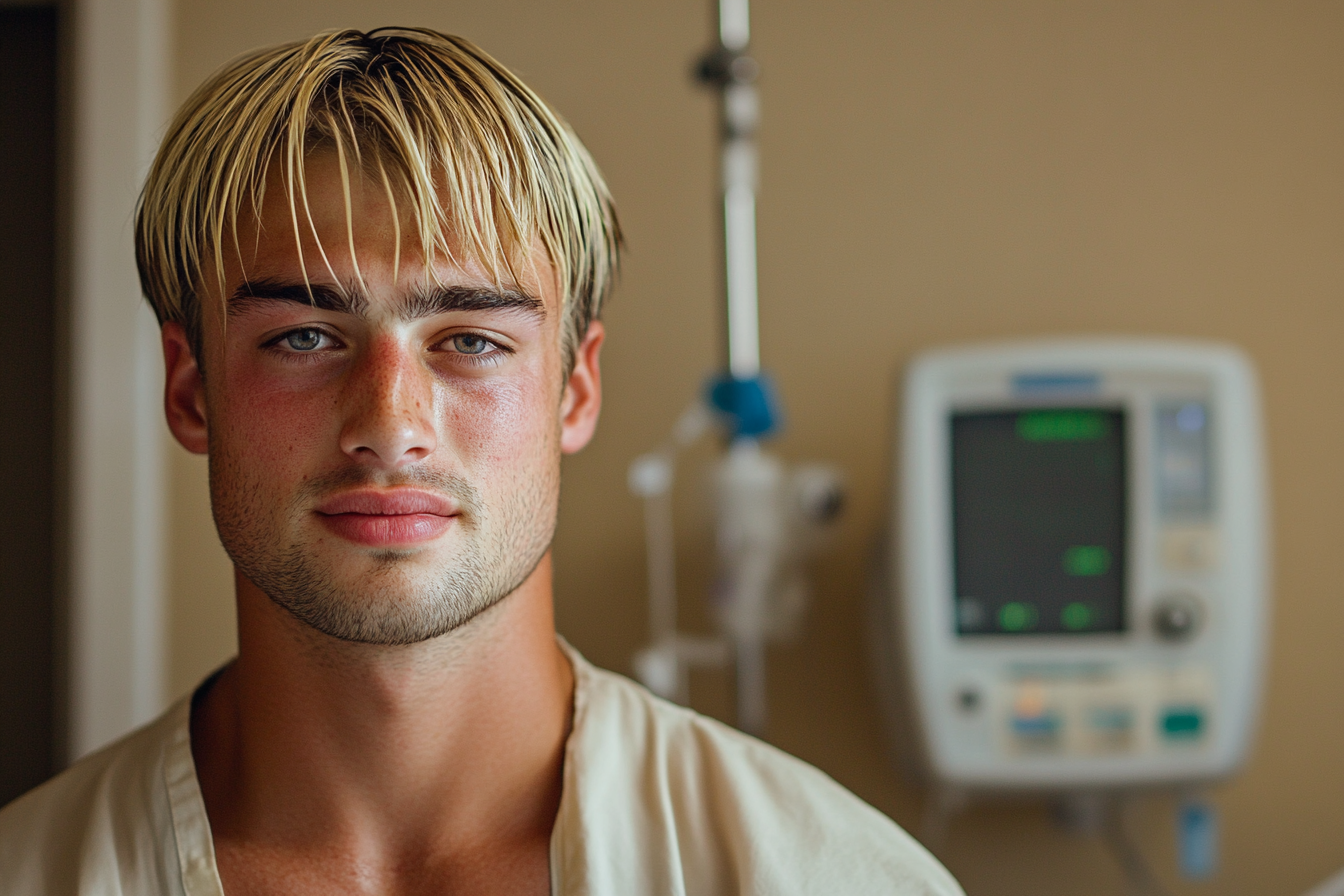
{"x":337,"y":225}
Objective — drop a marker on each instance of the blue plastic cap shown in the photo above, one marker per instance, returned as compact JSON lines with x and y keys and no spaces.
{"x":749,"y":406}
{"x":1197,"y":839}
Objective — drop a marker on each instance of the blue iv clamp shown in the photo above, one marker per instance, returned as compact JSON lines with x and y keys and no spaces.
{"x":749,"y":407}
{"x":1197,"y":839}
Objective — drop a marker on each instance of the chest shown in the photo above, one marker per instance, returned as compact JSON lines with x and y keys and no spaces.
{"x":507,"y":869}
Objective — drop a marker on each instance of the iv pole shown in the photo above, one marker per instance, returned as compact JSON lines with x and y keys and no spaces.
{"x":728,"y":68}
{"x":767,"y":514}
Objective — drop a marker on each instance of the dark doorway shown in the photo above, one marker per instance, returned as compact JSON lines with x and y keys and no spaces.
{"x":28,"y":40}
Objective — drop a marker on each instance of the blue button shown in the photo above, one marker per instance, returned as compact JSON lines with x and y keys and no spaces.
{"x":1043,"y":725}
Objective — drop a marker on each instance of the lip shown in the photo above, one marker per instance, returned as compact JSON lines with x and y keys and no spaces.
{"x":388,"y":517}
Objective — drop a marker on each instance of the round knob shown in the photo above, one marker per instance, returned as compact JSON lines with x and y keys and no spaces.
{"x":1177,"y":617}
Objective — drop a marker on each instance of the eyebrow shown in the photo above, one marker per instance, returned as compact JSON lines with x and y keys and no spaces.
{"x":422,"y":303}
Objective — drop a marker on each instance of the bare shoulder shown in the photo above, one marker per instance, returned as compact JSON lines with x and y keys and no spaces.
{"x":100,"y":826}
{"x":728,"y":806}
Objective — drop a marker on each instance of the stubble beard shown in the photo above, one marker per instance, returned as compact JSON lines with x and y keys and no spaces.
{"x":398,"y":601}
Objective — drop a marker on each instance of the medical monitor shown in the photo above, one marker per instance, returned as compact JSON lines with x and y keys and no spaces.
{"x":1081,"y":568}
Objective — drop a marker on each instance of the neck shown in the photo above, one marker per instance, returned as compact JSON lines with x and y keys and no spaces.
{"x":387,"y":753}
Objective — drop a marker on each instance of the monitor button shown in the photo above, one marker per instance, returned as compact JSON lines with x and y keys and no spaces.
{"x":1177,"y":617}
{"x":1182,"y":722}
{"x":1190,"y":549}
{"x":968,"y":699}
{"x":1109,"y":727}
{"x":1035,"y":722}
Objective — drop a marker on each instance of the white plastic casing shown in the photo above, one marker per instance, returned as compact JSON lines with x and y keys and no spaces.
{"x":1213,"y":676}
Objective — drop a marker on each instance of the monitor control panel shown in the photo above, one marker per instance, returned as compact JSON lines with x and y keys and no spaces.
{"x":1081,"y":570}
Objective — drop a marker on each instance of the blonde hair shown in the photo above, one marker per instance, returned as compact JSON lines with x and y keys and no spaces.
{"x":484,"y":166}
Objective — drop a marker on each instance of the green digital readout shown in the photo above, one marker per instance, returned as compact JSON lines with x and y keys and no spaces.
{"x":1076,"y":616}
{"x":1017,"y":617}
{"x":1063,"y":426}
{"x":1086,"y":560}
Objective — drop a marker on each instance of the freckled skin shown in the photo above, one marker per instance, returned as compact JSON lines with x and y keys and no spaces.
{"x":395,"y":720}
{"x":389,"y":397}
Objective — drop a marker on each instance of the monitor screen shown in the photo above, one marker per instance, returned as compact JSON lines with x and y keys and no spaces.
{"x":1038,"y":517}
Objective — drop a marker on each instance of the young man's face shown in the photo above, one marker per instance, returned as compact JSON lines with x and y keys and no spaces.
{"x":385,"y":463}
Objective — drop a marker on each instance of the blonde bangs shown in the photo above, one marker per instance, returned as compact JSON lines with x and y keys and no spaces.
{"x":466,"y":154}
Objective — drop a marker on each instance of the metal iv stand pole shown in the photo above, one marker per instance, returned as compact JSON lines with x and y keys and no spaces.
{"x":768,"y":515}
{"x":728,"y":68}
{"x":742,"y":402}
{"x":733,"y":73}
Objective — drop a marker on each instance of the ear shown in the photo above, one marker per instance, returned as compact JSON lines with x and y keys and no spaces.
{"x":583,"y":393}
{"x":184,"y":390}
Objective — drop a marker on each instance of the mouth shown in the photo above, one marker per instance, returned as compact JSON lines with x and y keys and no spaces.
{"x":388,"y":518}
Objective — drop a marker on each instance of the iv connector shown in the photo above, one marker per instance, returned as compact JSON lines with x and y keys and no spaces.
{"x":722,"y":66}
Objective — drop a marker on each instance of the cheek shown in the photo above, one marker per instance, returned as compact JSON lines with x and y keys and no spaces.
{"x":267,"y":428}
{"x":500,"y":423}
{"x":485,"y":425}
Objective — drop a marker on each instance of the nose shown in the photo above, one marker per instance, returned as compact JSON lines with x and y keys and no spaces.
{"x":388,"y":406}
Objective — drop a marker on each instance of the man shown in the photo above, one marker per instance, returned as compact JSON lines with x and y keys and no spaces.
{"x":378,"y":261}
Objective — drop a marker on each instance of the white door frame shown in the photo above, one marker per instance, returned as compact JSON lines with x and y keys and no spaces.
{"x":117,"y":71}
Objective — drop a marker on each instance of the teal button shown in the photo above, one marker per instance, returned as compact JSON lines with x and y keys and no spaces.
{"x":1182,"y":722}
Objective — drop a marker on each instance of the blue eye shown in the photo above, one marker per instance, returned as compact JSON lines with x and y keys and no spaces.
{"x":305,"y":340}
{"x":471,"y":343}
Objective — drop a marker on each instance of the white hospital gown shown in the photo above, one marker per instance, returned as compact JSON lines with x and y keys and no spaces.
{"x":656,"y":800}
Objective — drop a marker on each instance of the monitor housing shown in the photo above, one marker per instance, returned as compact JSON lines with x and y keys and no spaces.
{"x":1081,"y":564}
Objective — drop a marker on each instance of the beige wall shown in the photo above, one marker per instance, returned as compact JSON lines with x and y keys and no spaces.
{"x":935,"y":172}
